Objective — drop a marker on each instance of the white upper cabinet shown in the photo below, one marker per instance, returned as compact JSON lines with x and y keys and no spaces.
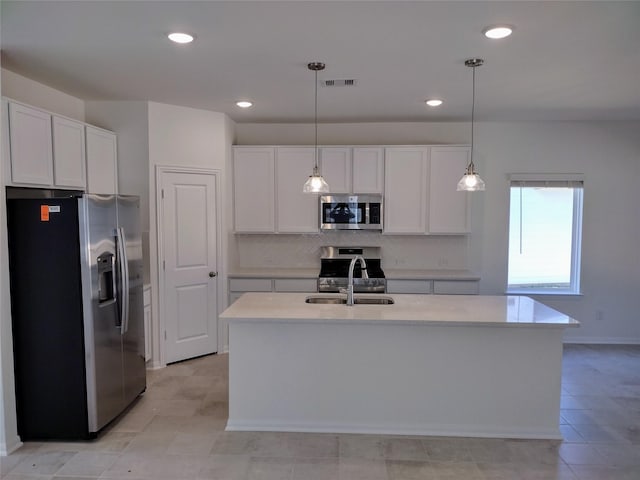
{"x":418,"y":182}
{"x":297,"y":212}
{"x":31,"y":145}
{"x":368,"y":170}
{"x":353,"y":169}
{"x":267,"y":190}
{"x":254,"y":189}
{"x":335,"y":167}
{"x":102,"y":161}
{"x":406,"y":180}
{"x":448,"y":208}
{"x":68,"y":153}
{"x":47,"y":150}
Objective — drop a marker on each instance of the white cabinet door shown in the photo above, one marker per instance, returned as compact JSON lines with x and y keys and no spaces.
{"x":253,"y":189}
{"x":308,"y":285}
{"x":448,"y":208}
{"x":405,"y":186}
{"x":335,"y":167}
{"x":353,"y":170}
{"x":102,"y":161}
{"x":31,"y":145}
{"x":456,"y":287}
{"x":297,"y":212}
{"x":368,"y":170}
{"x":409,"y":286}
{"x":68,"y":153}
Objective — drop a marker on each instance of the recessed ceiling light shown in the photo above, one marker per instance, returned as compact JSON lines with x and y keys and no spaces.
{"x":244,"y":104}
{"x":498,"y":31}
{"x":434,"y":102}
{"x":180,"y":37}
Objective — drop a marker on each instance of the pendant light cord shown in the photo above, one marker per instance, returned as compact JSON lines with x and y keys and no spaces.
{"x":315,"y":116}
{"x":473,"y":108}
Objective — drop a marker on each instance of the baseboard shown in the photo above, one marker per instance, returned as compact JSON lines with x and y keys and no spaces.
{"x":603,"y":340}
{"x":480,"y":431}
{"x":10,"y":447}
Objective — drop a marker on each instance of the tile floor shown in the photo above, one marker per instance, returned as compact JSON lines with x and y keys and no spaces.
{"x":176,"y":431}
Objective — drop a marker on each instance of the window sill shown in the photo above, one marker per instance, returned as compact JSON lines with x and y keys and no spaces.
{"x":548,"y":293}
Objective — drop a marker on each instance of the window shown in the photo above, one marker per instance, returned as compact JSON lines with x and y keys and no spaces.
{"x":545,"y":228}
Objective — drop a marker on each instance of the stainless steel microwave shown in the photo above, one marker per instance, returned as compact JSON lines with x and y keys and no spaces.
{"x":351,"y":212}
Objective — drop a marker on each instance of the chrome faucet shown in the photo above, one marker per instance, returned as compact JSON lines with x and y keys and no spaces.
{"x":363,"y":268}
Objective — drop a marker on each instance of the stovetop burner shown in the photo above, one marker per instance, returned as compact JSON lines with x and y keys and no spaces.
{"x":334,"y":270}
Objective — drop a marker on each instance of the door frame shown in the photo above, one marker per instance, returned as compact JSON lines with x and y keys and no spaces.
{"x":159,"y":335}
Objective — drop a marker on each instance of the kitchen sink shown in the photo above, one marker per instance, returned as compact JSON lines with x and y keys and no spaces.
{"x":373,"y":300}
{"x":358,"y":300}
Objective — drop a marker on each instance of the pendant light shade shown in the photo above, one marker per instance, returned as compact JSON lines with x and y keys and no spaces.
{"x":471,"y":181}
{"x":315,"y":183}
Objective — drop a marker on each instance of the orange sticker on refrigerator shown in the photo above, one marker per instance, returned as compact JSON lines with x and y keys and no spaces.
{"x":44,"y":213}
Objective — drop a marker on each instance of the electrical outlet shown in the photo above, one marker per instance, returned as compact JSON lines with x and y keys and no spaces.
{"x":599,"y":315}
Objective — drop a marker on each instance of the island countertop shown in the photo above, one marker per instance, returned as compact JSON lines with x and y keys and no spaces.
{"x":476,"y":310}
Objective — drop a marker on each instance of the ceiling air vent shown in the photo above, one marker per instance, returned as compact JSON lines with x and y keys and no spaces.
{"x":347,"y":82}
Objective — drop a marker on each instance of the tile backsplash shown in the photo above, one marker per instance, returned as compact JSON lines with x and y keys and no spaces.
{"x":415,"y":252}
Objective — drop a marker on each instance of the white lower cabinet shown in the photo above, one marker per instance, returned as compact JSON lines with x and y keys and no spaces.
{"x":438,"y":287}
{"x":456,"y":287}
{"x":295,"y":285}
{"x":409,"y":286}
{"x":238,"y":286}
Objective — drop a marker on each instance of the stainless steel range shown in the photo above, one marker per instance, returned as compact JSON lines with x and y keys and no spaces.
{"x":334,"y":270}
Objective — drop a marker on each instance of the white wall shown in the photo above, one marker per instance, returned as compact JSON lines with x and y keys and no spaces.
{"x":40,"y":95}
{"x":9,"y":439}
{"x":608,"y":154}
{"x":379,"y":133}
{"x":188,"y":137}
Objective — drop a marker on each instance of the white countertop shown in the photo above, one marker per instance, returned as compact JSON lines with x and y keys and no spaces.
{"x":390,"y":274}
{"x":470,"y":310}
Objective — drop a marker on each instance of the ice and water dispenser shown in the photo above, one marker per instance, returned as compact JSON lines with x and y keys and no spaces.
{"x":106,"y":278}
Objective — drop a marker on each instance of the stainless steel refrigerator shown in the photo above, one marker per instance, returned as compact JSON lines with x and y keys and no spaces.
{"x":75,"y":265}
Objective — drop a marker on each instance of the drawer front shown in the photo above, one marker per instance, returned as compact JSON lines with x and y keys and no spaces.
{"x":455,"y":287}
{"x":296,"y":285}
{"x":409,"y":286}
{"x":250,"y":285}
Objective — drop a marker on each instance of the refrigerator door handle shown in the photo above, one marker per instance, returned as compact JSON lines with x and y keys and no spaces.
{"x":124,"y":268}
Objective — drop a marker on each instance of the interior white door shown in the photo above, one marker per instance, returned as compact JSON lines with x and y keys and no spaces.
{"x":189,"y":244}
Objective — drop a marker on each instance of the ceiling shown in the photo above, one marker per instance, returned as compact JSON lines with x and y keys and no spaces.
{"x":564,"y":61}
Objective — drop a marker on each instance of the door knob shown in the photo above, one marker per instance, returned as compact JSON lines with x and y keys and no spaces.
{"x":213,"y":274}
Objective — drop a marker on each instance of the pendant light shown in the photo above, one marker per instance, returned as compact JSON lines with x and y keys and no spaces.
{"x":471,"y":181}
{"x":315,"y":183}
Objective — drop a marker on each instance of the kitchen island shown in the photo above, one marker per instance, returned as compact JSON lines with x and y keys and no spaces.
{"x":484,"y":366}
